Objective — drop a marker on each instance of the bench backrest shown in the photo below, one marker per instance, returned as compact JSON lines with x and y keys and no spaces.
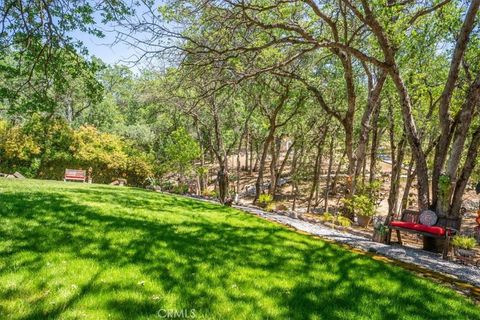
{"x":75,"y":173}
{"x":410,"y":216}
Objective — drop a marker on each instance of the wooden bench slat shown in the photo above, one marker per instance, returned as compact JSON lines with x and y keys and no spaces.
{"x":77,"y":175}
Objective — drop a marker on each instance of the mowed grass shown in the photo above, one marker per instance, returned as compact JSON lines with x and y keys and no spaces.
{"x":78,"y":251}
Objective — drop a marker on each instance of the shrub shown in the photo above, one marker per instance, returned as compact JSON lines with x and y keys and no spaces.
{"x":336,"y":219}
{"x":344,"y":221}
{"x":464,"y":242}
{"x":42,"y":148}
{"x":180,"y":188}
{"x":139,"y":166}
{"x":270,"y":207}
{"x":202,"y":171}
{"x":361,"y":205}
{"x":281,"y":207}
{"x":102,"y":151}
{"x":371,"y":190}
{"x":264,"y":200}
{"x":166,"y":186}
{"x":328,"y":217}
{"x":151,"y":182}
{"x":380,"y":228}
{"x":209,"y":193}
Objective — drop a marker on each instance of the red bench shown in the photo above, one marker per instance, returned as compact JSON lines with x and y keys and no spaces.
{"x":75,"y":175}
{"x":410,"y":222}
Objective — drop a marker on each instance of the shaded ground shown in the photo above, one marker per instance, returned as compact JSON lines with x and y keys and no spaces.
{"x":72,"y":250}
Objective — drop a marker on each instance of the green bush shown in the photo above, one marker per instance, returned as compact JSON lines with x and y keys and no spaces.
{"x":152,"y":182}
{"x":328,"y":217}
{"x":180,"y":188}
{"x":270,"y":207}
{"x":344,"y":221}
{"x":464,"y":242}
{"x":209,"y":193}
{"x":166,"y":185}
{"x":371,"y":190}
{"x":360,"y":205}
{"x":381,"y":229}
{"x":336,"y":219}
{"x":42,"y":148}
{"x":169,"y":186}
{"x":264,"y":200}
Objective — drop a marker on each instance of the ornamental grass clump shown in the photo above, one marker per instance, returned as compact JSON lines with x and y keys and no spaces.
{"x":264,"y":200}
{"x":464,"y":242}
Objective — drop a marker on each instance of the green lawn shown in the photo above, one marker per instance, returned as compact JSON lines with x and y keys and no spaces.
{"x":78,"y":251}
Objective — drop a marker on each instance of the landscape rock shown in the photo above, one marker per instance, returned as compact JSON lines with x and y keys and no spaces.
{"x":470,"y":205}
{"x":18,"y":175}
{"x":293,"y":214}
{"x":119,"y":182}
{"x":283,"y":181}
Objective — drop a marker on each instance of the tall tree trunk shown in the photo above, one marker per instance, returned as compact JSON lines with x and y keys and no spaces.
{"x":413,"y":139}
{"x":316,"y":174}
{"x":279,"y":171}
{"x":408,"y":185}
{"x":396,"y":156}
{"x":346,"y":60}
{"x":461,"y":183}
{"x":202,"y":172}
{"x":350,"y":159}
{"x":296,"y":162}
{"x":337,"y":172}
{"x":259,"y":182}
{"x":395,"y":180}
{"x":390,"y":65}
{"x":250,"y":165}
{"x":247,"y":140}
{"x":373,"y":150}
{"x":373,"y":103}
{"x":329,"y":172}
{"x":315,"y":178}
{"x":201,"y":175}
{"x":364,"y":163}
{"x":237,"y":186}
{"x":257,"y":159}
{"x":391,"y":132}
{"x":444,"y":107}
{"x":273,"y":166}
{"x":223,"y":182}
{"x":459,"y":137}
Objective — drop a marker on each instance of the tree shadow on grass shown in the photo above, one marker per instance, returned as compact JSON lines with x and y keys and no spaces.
{"x":216,"y":260}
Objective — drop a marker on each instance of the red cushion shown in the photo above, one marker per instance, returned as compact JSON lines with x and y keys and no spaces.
{"x":74,"y":177}
{"x":439,"y":231}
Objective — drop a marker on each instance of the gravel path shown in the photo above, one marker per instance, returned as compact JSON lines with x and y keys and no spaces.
{"x":414,"y":256}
